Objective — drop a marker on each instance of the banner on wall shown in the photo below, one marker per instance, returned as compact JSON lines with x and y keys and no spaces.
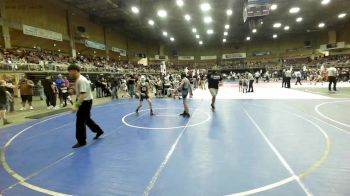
{"x":160,"y":57}
{"x":262,"y":53}
{"x":234,"y":56}
{"x":120,"y":51}
{"x":38,"y":32}
{"x":208,"y":57}
{"x":186,"y":58}
{"x":95,"y":45}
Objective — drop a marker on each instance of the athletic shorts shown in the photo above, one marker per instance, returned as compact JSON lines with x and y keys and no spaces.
{"x":26,"y":98}
{"x":184,"y":93}
{"x":213,"y":91}
{"x":143,"y":97}
{"x":3,"y":106}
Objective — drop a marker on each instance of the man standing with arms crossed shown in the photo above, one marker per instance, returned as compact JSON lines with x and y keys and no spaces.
{"x":83,"y":107}
{"x":214,"y":78}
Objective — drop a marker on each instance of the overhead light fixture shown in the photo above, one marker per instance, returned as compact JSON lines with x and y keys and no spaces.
{"x":180,"y":3}
{"x":207,"y":19}
{"x":135,"y":10}
{"x":227,"y":26}
{"x":224,"y":40}
{"x":210,"y":31}
{"x":187,"y":17}
{"x":198,"y":36}
{"x":172,"y":39}
{"x":325,"y":2}
{"x":254,"y":30}
{"x":205,"y":7}
{"x":321,"y":25}
{"x":151,"y":22}
{"x":194,"y":30}
{"x":277,"y":25}
{"x":162,"y":13}
{"x":342,"y":15}
{"x":248,"y":38}
{"x":286,"y":28}
{"x":275,"y":36}
{"x":294,"y":10}
{"x":200,"y":42}
{"x":228,"y":12}
{"x":299,"y":19}
{"x":273,"y":7}
{"x":165,"y":33}
{"x":225,"y":33}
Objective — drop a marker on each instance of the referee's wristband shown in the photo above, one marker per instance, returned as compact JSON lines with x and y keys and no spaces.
{"x":77,"y":105}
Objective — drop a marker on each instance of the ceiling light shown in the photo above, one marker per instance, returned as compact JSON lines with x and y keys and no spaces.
{"x":172,"y":39}
{"x":273,"y":7}
{"x":205,"y":7}
{"x":227,"y":26}
{"x":224,"y":40}
{"x":180,"y":3}
{"x":208,"y":19}
{"x":151,"y":22}
{"x":162,"y":13}
{"x":165,"y":33}
{"x":135,"y":10}
{"x":321,"y":25}
{"x":299,"y":19}
{"x":187,"y":17}
{"x":229,"y":12}
{"x":325,"y":2}
{"x":277,"y":25}
{"x":294,"y":10}
{"x":210,"y":31}
{"x":200,"y":42}
{"x":198,"y":36}
{"x":342,"y":15}
{"x":275,"y":36}
{"x":225,"y":33}
{"x":254,"y":30}
{"x":248,"y":38}
{"x":194,"y":30}
{"x":286,"y":28}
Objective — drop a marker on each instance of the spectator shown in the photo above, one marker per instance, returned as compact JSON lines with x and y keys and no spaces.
{"x":26,"y":90}
{"x":4,"y":96}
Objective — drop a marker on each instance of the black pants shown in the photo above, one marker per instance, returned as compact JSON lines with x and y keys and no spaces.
{"x":83,"y":119}
{"x":50,"y":99}
{"x":287,"y":84}
{"x":257,"y":80}
{"x":251,"y":89}
{"x":65,"y":98}
{"x":298,"y":81}
{"x":333,"y":80}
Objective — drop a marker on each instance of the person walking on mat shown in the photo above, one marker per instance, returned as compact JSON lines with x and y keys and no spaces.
{"x":83,"y":107}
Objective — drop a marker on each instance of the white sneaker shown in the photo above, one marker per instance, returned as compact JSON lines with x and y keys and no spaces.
{"x":31,"y":108}
{"x":56,"y":108}
{"x":50,"y":107}
{"x":22,"y":109}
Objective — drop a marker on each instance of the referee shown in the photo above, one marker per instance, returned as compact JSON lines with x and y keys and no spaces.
{"x":83,"y":107}
{"x":214,"y":78}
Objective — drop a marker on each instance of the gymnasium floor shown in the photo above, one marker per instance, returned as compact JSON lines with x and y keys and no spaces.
{"x":273,"y":142}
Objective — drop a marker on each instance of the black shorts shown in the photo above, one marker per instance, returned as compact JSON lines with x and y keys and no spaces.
{"x":3,"y":106}
{"x":144,"y":97}
{"x":184,"y":94}
{"x":26,"y":98}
